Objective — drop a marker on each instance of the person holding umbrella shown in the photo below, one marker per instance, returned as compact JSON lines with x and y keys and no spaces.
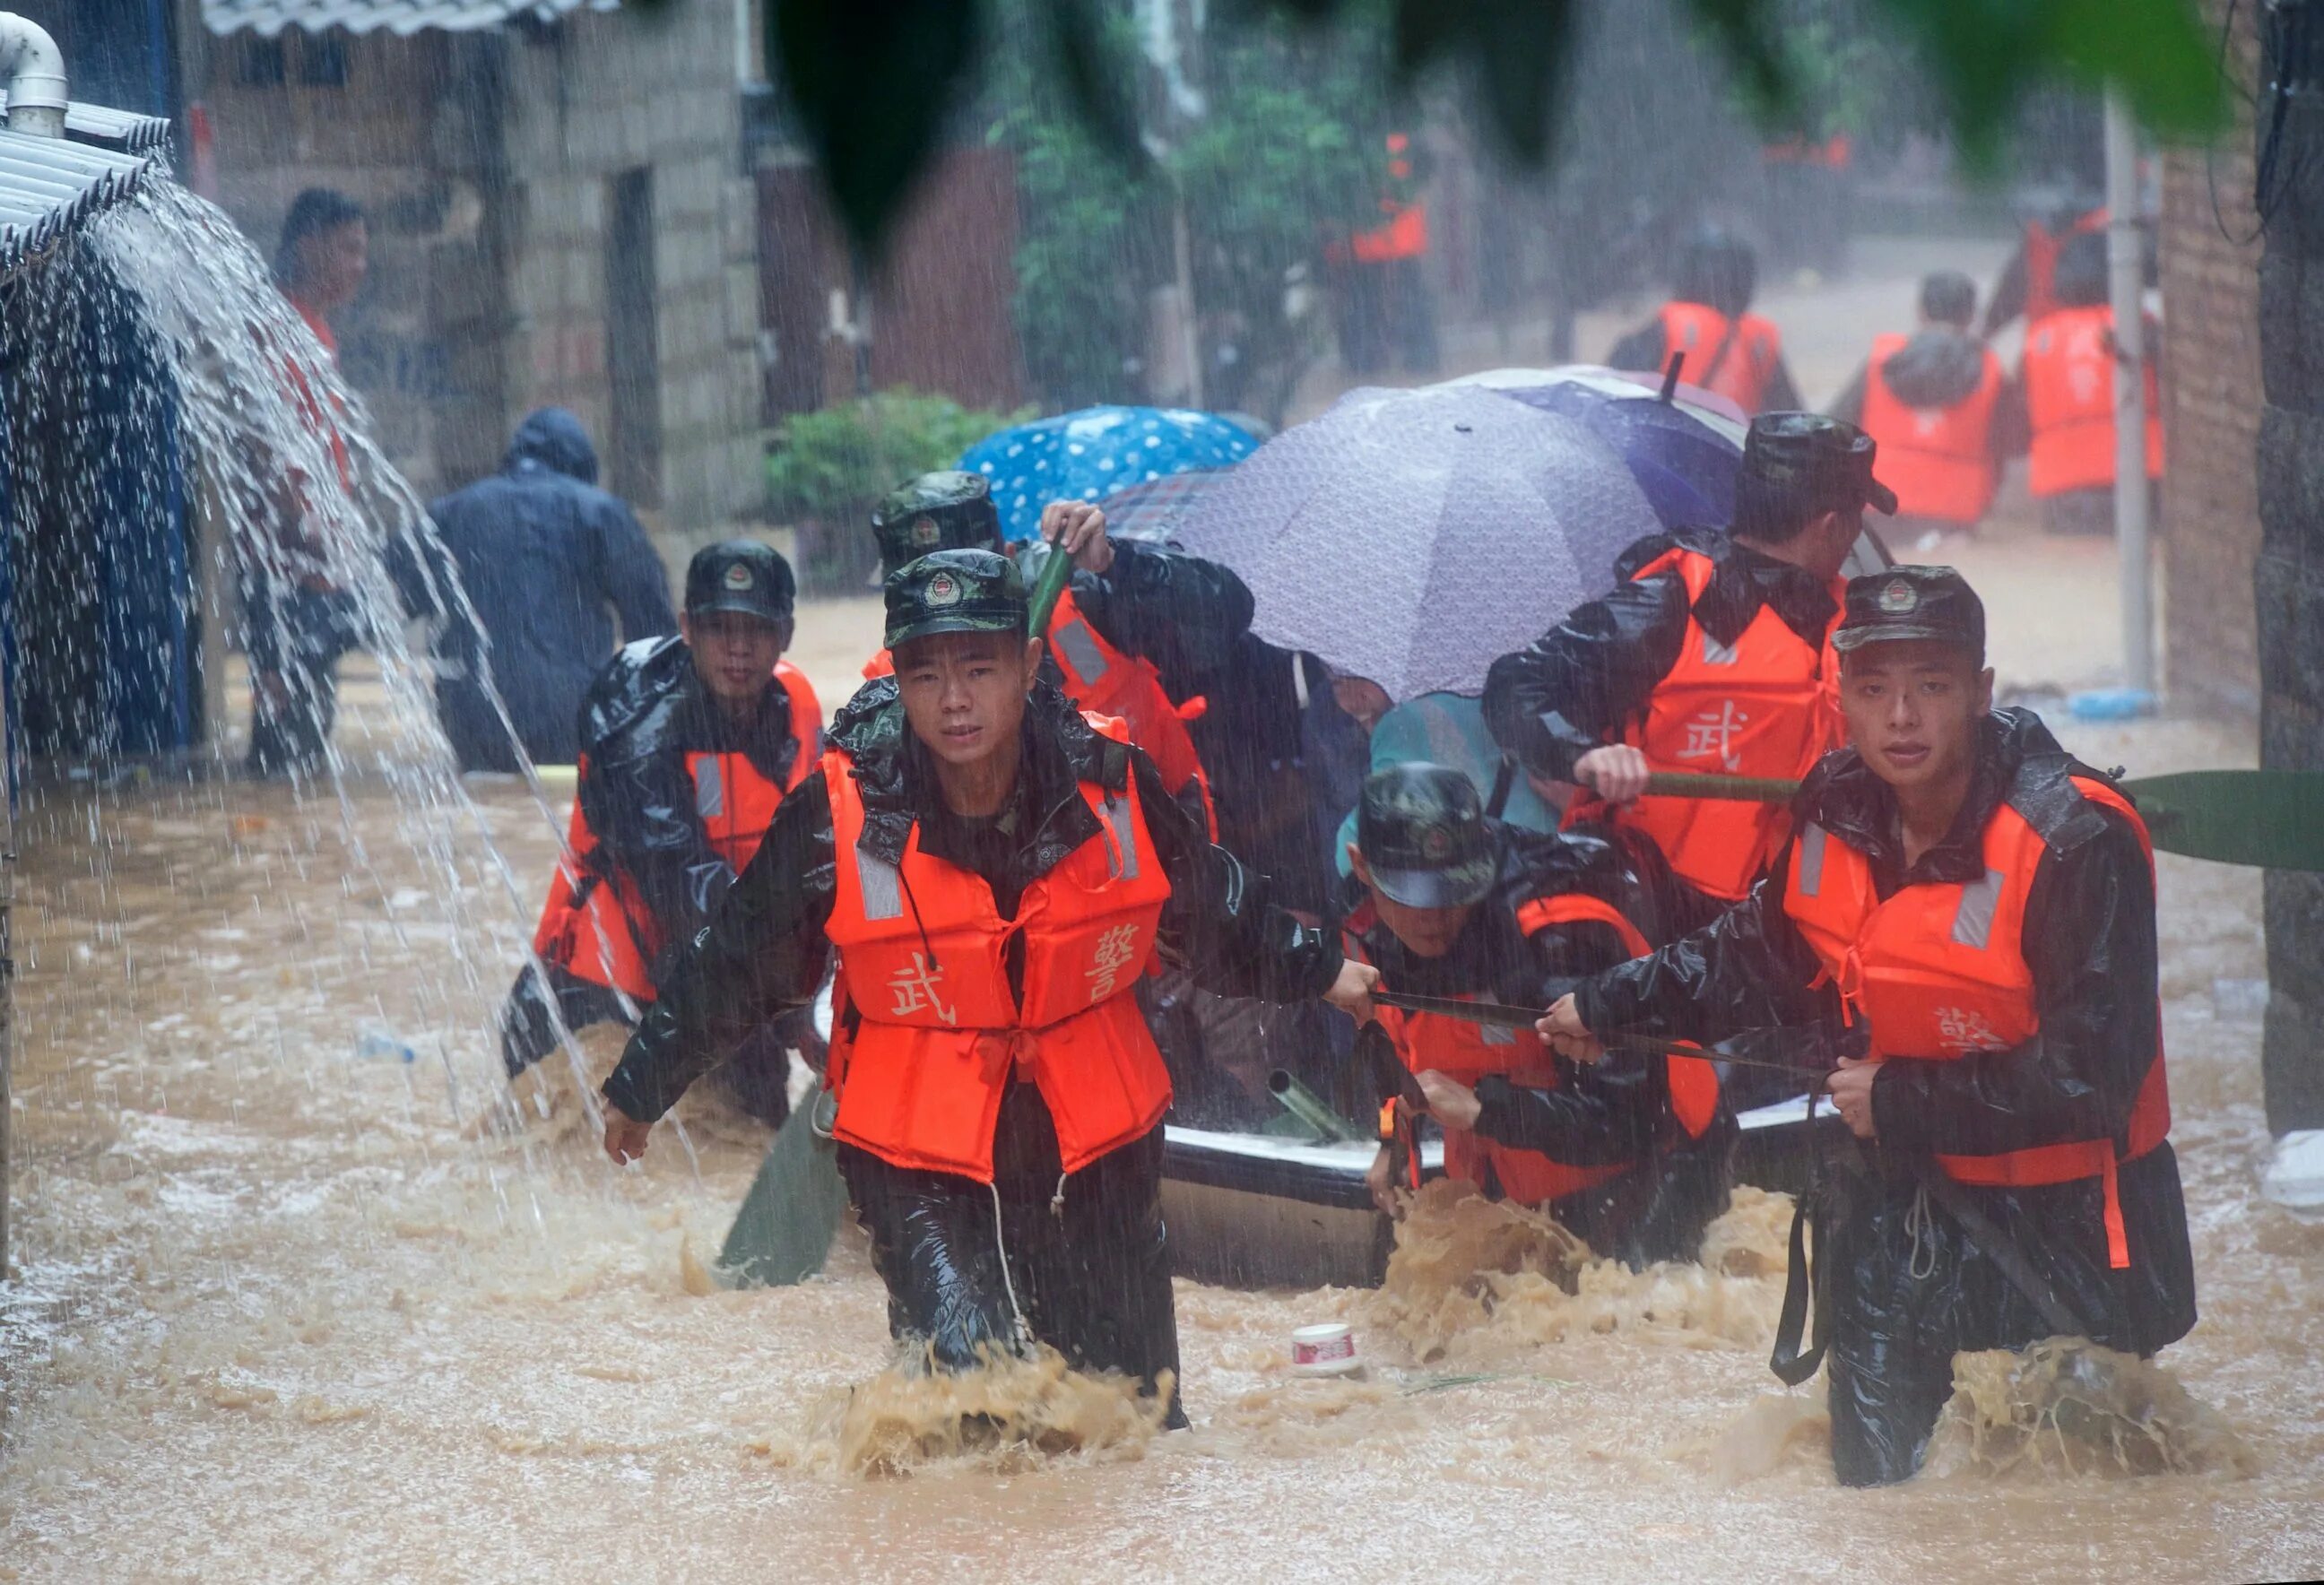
{"x":1448,"y":902}
{"x":1977,"y":910}
{"x":1710,"y":656}
{"x":1133,"y":634}
{"x":996,"y":871}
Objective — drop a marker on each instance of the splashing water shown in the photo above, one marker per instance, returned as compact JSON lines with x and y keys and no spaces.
{"x":2065,"y":1407}
{"x":1007,"y":1415}
{"x":1472,"y":1280}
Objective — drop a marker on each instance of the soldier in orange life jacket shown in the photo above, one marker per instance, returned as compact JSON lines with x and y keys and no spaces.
{"x":1945,"y":416}
{"x":1711,"y":655}
{"x":1974,"y":910}
{"x":1136,"y":633}
{"x":1728,"y":349}
{"x":688,"y":746}
{"x":1448,"y":902}
{"x":2068,"y":376}
{"x":995,"y":870}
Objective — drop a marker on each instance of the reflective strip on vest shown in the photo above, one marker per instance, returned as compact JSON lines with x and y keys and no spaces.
{"x":1811,"y":874}
{"x":1122,"y":855}
{"x":882,"y":885}
{"x":1973,"y":920}
{"x":1079,"y":650}
{"x":710,"y":789}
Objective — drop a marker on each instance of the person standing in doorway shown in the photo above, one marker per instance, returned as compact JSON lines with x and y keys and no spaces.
{"x":298,"y":621}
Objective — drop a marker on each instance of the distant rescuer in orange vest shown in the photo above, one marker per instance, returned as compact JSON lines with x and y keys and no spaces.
{"x":1711,"y":655}
{"x":1448,"y":902}
{"x":1133,"y":633}
{"x":689,"y":746}
{"x":2068,"y":375}
{"x":1381,"y":275}
{"x":995,"y":870}
{"x":1974,"y":911}
{"x":1728,"y":349}
{"x":2029,"y":281}
{"x":1942,"y":410}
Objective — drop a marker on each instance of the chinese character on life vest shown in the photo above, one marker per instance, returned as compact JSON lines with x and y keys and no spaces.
{"x":1711,"y":735}
{"x":1962,"y":1028}
{"x":1114,"y":952}
{"x":916,"y":988}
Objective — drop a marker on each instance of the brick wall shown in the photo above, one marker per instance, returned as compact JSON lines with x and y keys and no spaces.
{"x":2212,"y":400}
{"x":603,"y":95}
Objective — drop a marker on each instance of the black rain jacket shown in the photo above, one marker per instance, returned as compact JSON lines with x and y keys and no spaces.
{"x":1576,"y":688}
{"x":765,"y":952}
{"x":1184,"y":614}
{"x":2089,"y":940}
{"x":644,"y":714}
{"x":550,"y":563}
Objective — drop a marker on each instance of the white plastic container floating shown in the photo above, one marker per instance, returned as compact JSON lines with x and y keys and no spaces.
{"x":1328,"y":1349}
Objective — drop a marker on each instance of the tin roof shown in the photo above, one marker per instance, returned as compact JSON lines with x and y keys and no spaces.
{"x":400,"y":17}
{"x":50,"y":186}
{"x":104,"y":128}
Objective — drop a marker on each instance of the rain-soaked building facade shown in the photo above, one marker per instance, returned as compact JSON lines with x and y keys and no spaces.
{"x":558,"y":214}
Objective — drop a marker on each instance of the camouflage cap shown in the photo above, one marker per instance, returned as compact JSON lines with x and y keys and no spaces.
{"x":1421,"y":829}
{"x":1933,"y":602}
{"x":954,"y":592}
{"x":1810,"y":464}
{"x":947,"y":511}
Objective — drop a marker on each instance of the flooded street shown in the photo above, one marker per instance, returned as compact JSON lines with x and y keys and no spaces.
{"x":278,"y":1318}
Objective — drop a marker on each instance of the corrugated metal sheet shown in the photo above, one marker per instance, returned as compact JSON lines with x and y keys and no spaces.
{"x":49,"y":186}
{"x":104,"y":128}
{"x":400,"y":17}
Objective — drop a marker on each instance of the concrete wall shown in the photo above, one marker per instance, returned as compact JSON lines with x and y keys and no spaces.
{"x":2290,"y":586}
{"x":486,"y":161}
{"x":594,"y":98}
{"x":2210,"y":252}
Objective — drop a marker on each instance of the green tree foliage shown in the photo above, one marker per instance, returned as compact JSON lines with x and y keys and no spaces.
{"x":1285,"y":153}
{"x":875,"y":80}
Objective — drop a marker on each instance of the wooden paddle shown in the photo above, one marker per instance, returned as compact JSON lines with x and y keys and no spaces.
{"x":2268,"y":819}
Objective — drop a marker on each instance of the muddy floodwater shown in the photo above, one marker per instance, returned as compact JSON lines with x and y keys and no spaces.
{"x":277,"y":1317}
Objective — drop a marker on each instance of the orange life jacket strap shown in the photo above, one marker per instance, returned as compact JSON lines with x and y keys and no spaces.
{"x":2045,"y":1164}
{"x":1574,"y":908}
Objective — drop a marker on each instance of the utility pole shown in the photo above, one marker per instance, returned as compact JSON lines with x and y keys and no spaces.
{"x":2126,"y":272}
{"x":1182,"y":105}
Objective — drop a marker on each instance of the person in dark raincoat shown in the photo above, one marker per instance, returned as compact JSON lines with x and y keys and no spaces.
{"x":1977,"y":910}
{"x":1446,"y":901}
{"x":1710,"y":656}
{"x":550,"y":562}
{"x":690,"y":747}
{"x":1728,"y":349}
{"x":995,"y":870}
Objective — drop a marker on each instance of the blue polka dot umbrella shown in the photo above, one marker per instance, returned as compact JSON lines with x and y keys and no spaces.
{"x":1089,"y":455}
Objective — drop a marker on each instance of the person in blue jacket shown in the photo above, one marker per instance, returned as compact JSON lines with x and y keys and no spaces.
{"x":550,"y":564}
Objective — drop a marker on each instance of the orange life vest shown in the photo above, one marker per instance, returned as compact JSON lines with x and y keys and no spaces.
{"x":1938,"y":459}
{"x":924,"y":951}
{"x":2070,"y":361}
{"x":1467,"y":1052}
{"x":1768,"y":706}
{"x":1743,"y":371}
{"x":596,"y":925}
{"x":1938,"y":973}
{"x":1102,"y":681}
